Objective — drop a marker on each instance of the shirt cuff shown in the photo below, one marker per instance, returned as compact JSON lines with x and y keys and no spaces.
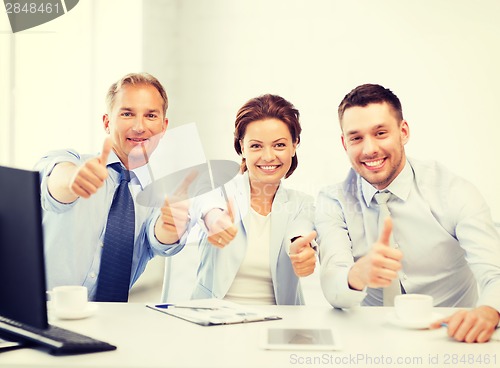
{"x":48,"y":202}
{"x":159,"y":248}
{"x":336,"y":288}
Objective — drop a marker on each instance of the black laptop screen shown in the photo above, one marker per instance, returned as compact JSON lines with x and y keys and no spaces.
{"x":22,"y":266}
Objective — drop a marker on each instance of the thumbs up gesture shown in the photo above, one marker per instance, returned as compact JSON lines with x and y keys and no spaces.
{"x":174,"y":218}
{"x":68,"y":182}
{"x":220,"y":225}
{"x":302,"y":255}
{"x":89,"y":177}
{"x":380,"y":265}
{"x":387,"y":260}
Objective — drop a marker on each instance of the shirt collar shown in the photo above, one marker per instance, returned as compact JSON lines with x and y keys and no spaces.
{"x":400,"y":186}
{"x":141,"y":174}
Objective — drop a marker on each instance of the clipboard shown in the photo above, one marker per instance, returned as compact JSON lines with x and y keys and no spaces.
{"x":213,"y":312}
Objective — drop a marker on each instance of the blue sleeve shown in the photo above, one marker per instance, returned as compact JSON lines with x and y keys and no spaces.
{"x":45,"y":166}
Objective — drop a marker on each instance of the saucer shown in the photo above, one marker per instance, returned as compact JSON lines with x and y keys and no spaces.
{"x":70,"y":314}
{"x":412,"y":324}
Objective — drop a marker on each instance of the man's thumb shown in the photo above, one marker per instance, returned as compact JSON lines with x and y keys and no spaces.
{"x":106,"y":149}
{"x":385,"y":235}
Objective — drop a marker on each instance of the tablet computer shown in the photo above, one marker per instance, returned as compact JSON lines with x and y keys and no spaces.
{"x":299,"y":339}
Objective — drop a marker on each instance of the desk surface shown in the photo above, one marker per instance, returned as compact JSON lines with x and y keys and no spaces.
{"x":147,"y":338}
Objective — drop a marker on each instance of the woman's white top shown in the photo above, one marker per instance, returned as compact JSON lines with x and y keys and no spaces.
{"x":253,"y":282}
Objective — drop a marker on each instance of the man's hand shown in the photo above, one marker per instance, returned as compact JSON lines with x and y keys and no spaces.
{"x":220,"y":225}
{"x":302,"y":255}
{"x":174,"y":218}
{"x":67,"y":181}
{"x":380,"y":266}
{"x":92,"y":174}
{"x":476,"y":325}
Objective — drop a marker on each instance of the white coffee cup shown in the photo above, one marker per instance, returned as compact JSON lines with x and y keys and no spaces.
{"x":71,"y":298}
{"x":413,"y":307}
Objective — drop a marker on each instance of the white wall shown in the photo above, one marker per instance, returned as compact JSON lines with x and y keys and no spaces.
{"x":56,"y":75}
{"x":440,"y":57}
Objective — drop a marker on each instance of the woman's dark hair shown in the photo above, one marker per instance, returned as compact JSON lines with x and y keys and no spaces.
{"x":267,"y":107}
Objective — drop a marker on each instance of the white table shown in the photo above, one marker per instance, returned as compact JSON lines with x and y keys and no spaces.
{"x":147,"y":338}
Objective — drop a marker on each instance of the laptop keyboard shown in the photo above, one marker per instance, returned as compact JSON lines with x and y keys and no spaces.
{"x":57,"y":340}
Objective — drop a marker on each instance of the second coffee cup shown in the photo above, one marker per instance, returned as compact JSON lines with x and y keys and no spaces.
{"x":71,"y":298}
{"x":413,"y":307}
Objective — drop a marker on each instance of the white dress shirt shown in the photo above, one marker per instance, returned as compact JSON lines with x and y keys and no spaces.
{"x":441,"y":224}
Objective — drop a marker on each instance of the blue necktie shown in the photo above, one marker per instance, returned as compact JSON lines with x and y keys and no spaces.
{"x":116,"y":259}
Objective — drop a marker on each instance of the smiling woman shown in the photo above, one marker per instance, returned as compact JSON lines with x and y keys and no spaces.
{"x":256,"y":248}
{"x":267,"y":132}
{"x":267,"y":150}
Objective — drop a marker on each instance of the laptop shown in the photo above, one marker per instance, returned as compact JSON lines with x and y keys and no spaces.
{"x":23,"y":305}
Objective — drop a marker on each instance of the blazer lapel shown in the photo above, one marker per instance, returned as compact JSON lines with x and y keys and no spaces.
{"x":279,"y":220}
{"x":239,"y":192}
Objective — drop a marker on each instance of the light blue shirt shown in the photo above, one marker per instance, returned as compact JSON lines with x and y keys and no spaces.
{"x":74,"y":233}
{"x":441,"y":224}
